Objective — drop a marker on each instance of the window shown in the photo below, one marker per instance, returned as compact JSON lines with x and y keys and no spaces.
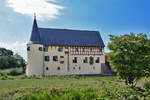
{"x":46,"y":68}
{"x":93,"y":67}
{"x":83,"y":49}
{"x":40,"y":48}
{"x":28,"y":48}
{"x":60,"y":49}
{"x":61,"y":62}
{"x":46,"y":49}
{"x":55,"y":58}
{"x":75,"y":60}
{"x":77,"y":50}
{"x":91,"y":60}
{"x":66,"y":47}
{"x":61,"y":56}
{"x":85,"y":60}
{"x":74,"y":68}
{"x":100,"y":49}
{"x":46,"y":58}
{"x":97,"y":60}
{"x":79,"y":68}
{"x":90,"y":49}
{"x":58,"y":68}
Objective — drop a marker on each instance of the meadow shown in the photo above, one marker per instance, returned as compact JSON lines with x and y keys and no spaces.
{"x":71,"y":88}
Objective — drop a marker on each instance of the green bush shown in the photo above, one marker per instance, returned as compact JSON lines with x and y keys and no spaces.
{"x":4,"y":76}
{"x":14,"y":72}
{"x":147,"y":85}
{"x":107,"y":93}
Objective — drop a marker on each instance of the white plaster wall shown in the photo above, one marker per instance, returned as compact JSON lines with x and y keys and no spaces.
{"x":53,"y":65}
{"x":86,"y":68}
{"x":37,"y":65}
{"x":34,"y":60}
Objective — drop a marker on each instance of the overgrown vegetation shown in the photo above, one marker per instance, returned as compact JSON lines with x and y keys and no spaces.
{"x":9,"y":73}
{"x":4,"y":76}
{"x":130,"y":55}
{"x":71,"y":88}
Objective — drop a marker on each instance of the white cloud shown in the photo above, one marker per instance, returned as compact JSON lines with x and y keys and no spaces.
{"x":16,"y":47}
{"x":44,"y":9}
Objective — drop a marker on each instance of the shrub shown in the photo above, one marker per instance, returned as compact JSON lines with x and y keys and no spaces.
{"x":14,"y":72}
{"x":2,"y":74}
{"x":147,"y":85}
{"x":4,"y":77}
{"x":107,"y":93}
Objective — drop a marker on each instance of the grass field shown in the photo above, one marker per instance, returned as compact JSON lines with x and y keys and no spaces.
{"x":59,"y":82}
{"x":105,"y":87}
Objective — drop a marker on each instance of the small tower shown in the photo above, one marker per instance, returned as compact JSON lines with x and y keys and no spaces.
{"x":35,"y":53}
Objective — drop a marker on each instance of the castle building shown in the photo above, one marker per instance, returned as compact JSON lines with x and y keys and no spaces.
{"x":64,"y":52}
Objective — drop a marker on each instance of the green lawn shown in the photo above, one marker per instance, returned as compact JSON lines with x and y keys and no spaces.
{"x":61,"y":82}
{"x":102,"y":85}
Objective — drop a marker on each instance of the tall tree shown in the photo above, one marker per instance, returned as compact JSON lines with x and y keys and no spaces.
{"x":130,"y":54}
{"x":8,"y":60}
{"x":5,"y":52}
{"x":20,"y":61}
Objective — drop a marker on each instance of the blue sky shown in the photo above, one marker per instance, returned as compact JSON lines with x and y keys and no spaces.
{"x":114,"y":17}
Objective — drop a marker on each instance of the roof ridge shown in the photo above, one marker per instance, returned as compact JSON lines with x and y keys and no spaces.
{"x":69,"y":29}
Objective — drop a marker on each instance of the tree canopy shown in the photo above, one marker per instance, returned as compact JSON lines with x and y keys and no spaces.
{"x":10,"y":60}
{"x":130,"y":54}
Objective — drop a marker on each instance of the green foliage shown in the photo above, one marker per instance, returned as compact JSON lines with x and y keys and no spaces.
{"x":107,"y":93}
{"x":20,"y":61}
{"x":147,"y":85}
{"x":5,"y":52}
{"x":130,"y":55}
{"x":4,"y":76}
{"x":14,"y":72}
{"x":8,"y":60}
{"x":68,"y":88}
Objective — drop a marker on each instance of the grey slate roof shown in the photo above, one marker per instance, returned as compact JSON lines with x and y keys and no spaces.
{"x":35,"y":35}
{"x":49,"y":36}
